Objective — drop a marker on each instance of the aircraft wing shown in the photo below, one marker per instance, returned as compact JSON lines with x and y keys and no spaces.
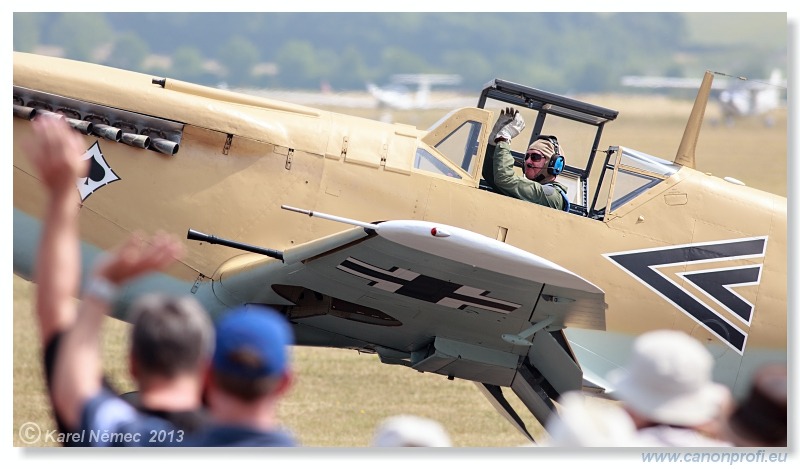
{"x":436,"y":298}
{"x":434,"y":280}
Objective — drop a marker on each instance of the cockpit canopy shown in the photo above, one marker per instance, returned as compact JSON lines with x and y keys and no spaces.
{"x":461,"y":138}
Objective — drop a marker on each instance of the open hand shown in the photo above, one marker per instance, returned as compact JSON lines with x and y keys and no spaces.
{"x":512,"y":128}
{"x":56,"y":151}
{"x":506,"y":116}
{"x":138,"y":256}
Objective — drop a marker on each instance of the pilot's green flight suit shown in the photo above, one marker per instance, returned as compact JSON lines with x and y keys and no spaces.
{"x":503,"y":177}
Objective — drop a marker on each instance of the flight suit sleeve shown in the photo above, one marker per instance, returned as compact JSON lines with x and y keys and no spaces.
{"x":487,"y":172}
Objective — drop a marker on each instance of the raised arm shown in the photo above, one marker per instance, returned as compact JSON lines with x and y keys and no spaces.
{"x":505,"y":118}
{"x":56,"y":153}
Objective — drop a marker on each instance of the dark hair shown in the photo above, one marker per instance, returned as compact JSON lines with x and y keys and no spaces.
{"x":762,"y":416}
{"x":171,"y":335}
{"x":244,"y":388}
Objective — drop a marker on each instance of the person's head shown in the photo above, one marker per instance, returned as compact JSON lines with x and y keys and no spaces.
{"x":538,"y":157}
{"x":581,"y":424}
{"x":761,"y":418}
{"x":667,"y":380}
{"x":171,"y":337}
{"x":410,"y":431}
{"x":251,"y":356}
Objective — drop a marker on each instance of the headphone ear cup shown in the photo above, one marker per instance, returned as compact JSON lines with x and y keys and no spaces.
{"x":556,"y":165}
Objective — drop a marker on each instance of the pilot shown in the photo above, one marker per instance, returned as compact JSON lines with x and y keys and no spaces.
{"x":543,"y":162}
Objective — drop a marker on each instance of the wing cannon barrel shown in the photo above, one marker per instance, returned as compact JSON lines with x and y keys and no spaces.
{"x":211,"y":239}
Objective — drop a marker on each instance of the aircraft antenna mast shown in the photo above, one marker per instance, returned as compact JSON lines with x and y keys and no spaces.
{"x":326,"y":216}
{"x":686,"y":150}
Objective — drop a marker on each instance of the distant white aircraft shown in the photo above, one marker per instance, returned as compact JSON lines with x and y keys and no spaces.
{"x":397,"y":95}
{"x":738,"y":96}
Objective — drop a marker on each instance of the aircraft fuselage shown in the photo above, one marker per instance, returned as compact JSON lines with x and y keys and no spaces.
{"x":693,"y":252}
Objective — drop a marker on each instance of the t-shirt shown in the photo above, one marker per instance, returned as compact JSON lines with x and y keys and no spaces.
{"x":189,"y":420}
{"x":227,"y":435}
{"x":107,"y":420}
{"x":50,"y":354}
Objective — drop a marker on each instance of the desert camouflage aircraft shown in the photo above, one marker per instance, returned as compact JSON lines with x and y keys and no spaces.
{"x":408,"y":254}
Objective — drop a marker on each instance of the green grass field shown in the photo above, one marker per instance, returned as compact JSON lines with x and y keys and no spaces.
{"x":340,"y":396}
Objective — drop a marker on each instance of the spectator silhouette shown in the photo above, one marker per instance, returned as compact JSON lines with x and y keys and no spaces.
{"x":667,"y":389}
{"x":579,"y":424}
{"x":760,"y":419}
{"x":410,"y":431}
{"x":250,"y":373}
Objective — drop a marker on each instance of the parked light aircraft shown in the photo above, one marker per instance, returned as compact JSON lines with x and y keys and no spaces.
{"x":737,"y":96}
{"x":407,"y":254}
{"x":397,"y":95}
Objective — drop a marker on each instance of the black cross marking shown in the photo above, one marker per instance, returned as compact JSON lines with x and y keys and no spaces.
{"x":425,"y":288}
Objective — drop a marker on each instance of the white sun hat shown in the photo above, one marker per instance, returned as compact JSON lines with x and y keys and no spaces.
{"x":410,"y":430}
{"x":668,"y":380}
{"x":583,"y":424}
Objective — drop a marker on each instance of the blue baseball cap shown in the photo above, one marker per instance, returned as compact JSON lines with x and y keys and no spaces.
{"x":252,"y":342}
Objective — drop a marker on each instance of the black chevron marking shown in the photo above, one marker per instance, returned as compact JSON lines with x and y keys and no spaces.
{"x":641,"y":264}
{"x":715,"y":282}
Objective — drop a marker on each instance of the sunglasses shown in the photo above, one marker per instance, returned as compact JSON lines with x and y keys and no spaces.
{"x":533,"y":156}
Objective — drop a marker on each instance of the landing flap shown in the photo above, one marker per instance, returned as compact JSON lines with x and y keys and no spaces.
{"x":555,"y":363}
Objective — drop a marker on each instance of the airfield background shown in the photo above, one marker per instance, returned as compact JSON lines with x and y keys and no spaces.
{"x":341,"y":395}
{"x":558,"y":52}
